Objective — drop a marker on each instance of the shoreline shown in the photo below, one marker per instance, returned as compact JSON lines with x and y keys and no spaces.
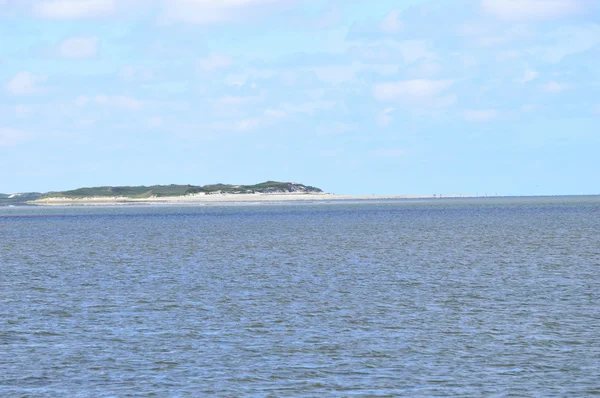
{"x":220,"y":199}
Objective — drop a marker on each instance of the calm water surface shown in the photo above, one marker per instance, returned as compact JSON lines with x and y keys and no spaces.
{"x":489,"y":297}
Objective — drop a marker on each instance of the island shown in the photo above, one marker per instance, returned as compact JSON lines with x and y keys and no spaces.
{"x":262,"y":193}
{"x":173,"y":193}
{"x":144,"y":192}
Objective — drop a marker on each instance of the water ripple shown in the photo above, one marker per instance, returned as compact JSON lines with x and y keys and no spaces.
{"x":434,"y":298}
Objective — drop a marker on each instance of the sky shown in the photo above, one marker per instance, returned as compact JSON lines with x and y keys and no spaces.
{"x":352,"y":96}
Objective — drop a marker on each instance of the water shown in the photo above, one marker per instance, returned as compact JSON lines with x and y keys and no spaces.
{"x":489,"y":297}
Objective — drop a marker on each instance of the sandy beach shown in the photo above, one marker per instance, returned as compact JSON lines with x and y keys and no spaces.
{"x":201,"y":199}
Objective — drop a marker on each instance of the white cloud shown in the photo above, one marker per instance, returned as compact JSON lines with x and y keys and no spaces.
{"x":413,"y":50}
{"x":337,"y":74}
{"x":24,"y":83}
{"x":233,"y":100}
{"x":215,"y":62}
{"x":119,"y":101}
{"x":570,"y":40}
{"x":307,"y":107}
{"x":529,"y":108}
{"x":508,"y":55}
{"x":154,"y":122}
{"x":11,"y":137}
{"x":236,"y":126}
{"x":410,"y":89}
{"x":330,"y":18}
{"x":116,"y":101}
{"x":385,"y":118}
{"x":246,"y":124}
{"x":488,"y":35}
{"x":331,"y":153}
{"x":79,"y":47}
{"x":24,"y":110}
{"x":528,"y":75}
{"x":481,"y":115}
{"x":343,"y":73}
{"x":498,"y":40}
{"x":130,"y":74}
{"x":469,"y":61}
{"x":391,"y":22}
{"x":386,"y":51}
{"x":389,"y":152}
{"x":73,"y":9}
{"x":235,"y":106}
{"x":473,"y":29}
{"x":208,"y":12}
{"x":555,"y":87}
{"x":275,"y":113}
{"x":372,"y":54}
{"x":425,"y":69}
{"x":420,"y":95}
{"x":515,"y":10}
{"x":263,"y":119}
{"x":335,"y":128}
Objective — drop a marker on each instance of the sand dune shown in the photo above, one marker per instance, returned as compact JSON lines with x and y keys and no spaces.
{"x":210,"y":199}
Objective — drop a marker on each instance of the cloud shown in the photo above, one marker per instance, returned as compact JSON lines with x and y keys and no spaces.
{"x":209,"y":12}
{"x":331,"y":153}
{"x":232,"y":105}
{"x":514,"y":33}
{"x":519,"y":10}
{"x":388,"y":51}
{"x":389,"y":152}
{"x":424,"y":69}
{"x":73,"y":9}
{"x":571,"y":40}
{"x":373,"y":54}
{"x":529,"y":108}
{"x":385,"y":118}
{"x":413,"y":50}
{"x":233,"y":100}
{"x":214,"y":62}
{"x":79,"y":47}
{"x":335,"y":128}
{"x":116,"y":101}
{"x":337,"y":74}
{"x":528,"y":76}
{"x":297,"y":78}
{"x":131,"y":73}
{"x":254,"y":122}
{"x":307,"y":107}
{"x":420,"y":95}
{"x":246,"y":124}
{"x":24,"y":83}
{"x":235,"y":126}
{"x":481,"y":115}
{"x":331,"y":17}
{"x":555,"y":87}
{"x":11,"y":137}
{"x":391,"y":22}
{"x":410,"y":89}
{"x":275,"y":113}
{"x":154,"y":122}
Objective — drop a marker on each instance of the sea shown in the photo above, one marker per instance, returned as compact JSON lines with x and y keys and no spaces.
{"x":494,"y":297}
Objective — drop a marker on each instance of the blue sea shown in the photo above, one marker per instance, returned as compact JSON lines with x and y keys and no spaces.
{"x":448,"y":298}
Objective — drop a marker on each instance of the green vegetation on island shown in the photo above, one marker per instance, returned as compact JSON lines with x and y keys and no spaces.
{"x":142,"y":192}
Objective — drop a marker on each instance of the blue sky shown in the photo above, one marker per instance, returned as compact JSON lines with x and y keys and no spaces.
{"x":353,"y":96}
